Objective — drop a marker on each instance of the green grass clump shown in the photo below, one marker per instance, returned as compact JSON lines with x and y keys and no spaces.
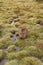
{"x":30,"y":61}
{"x":12,"y":62}
{"x":31,"y":51}
{"x":2,"y":54}
{"x":34,"y":51}
{"x":5,"y":44}
{"x":2,"y":46}
{"x":11,"y":48}
{"x":17,"y":55}
{"x":11,"y":56}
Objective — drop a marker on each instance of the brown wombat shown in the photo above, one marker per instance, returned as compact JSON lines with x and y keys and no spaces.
{"x":23,"y":33}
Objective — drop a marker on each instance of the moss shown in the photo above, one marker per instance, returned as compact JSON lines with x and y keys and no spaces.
{"x":30,"y":61}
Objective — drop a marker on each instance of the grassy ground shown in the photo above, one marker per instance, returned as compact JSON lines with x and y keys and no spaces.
{"x":29,"y":14}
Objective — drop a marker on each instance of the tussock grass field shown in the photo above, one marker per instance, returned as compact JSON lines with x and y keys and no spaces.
{"x":21,"y":32}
